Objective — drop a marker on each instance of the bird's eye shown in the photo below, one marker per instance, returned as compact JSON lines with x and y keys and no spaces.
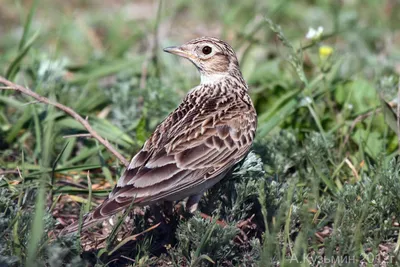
{"x":206,"y":50}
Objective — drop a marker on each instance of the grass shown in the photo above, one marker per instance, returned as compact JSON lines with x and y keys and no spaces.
{"x":319,"y":189}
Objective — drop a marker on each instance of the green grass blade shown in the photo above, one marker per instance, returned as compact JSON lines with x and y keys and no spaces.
{"x":69,"y":150}
{"x":27,"y":25}
{"x":14,"y":66}
{"x":37,"y":227}
{"x":53,"y":168}
{"x":275,"y":120}
{"x":89,"y":200}
{"x":278,"y":105}
{"x":38,"y":132}
{"x":17,"y":127}
{"x":104,"y":168}
{"x":111,"y":238}
{"x":104,"y":70}
{"x":205,"y":239}
{"x":85,"y":154}
{"x":132,"y":238}
{"x":12,"y":102}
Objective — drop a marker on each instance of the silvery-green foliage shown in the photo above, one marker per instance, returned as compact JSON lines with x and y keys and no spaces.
{"x":220,"y":246}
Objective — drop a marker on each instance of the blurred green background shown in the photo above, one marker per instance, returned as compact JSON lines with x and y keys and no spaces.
{"x":326,"y":145}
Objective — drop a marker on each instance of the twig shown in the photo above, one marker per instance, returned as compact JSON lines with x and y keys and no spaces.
{"x":8,"y":172}
{"x":77,"y":135}
{"x":68,"y":183}
{"x":67,"y":110}
{"x":125,"y":257}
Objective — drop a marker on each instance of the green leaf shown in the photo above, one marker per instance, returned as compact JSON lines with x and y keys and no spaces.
{"x":373,"y":143}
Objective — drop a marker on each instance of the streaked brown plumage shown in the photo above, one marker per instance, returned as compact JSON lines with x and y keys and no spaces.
{"x":197,"y":144}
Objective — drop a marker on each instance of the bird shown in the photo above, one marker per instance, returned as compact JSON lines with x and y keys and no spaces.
{"x":196,"y":145}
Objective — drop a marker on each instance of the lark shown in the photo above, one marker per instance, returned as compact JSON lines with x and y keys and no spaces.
{"x":197,"y":144}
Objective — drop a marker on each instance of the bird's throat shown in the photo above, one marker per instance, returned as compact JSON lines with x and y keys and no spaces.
{"x":212,"y":78}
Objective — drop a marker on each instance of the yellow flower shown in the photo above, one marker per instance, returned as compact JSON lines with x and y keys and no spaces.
{"x":325,"y":51}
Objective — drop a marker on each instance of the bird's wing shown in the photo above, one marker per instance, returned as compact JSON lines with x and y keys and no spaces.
{"x":187,"y":149}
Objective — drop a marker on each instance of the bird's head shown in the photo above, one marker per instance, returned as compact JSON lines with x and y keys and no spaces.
{"x":214,"y":58}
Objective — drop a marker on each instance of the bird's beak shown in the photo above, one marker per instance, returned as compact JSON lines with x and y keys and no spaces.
{"x":178,"y":50}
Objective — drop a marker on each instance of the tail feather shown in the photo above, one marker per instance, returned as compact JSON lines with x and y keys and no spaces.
{"x":102,"y":212}
{"x":87,"y":221}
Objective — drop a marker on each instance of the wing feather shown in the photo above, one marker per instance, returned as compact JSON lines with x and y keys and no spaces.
{"x":189,"y":151}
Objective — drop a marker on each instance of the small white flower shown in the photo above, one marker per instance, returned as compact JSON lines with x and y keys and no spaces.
{"x":314,"y":34}
{"x":49,"y":67}
{"x":306,"y":101}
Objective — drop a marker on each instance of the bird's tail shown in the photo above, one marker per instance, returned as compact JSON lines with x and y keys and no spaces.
{"x":108,"y":208}
{"x":87,"y":221}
